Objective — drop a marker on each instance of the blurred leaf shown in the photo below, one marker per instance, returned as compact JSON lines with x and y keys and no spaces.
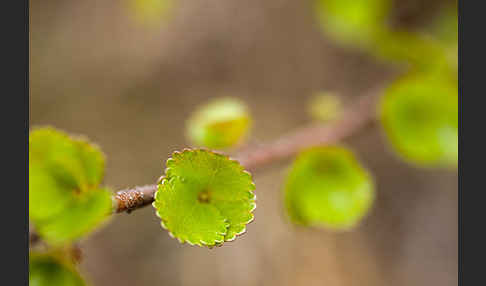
{"x":419,"y":114}
{"x":432,"y":50}
{"x":363,"y":23}
{"x":205,"y":198}
{"x":223,"y":122}
{"x":445,"y":26}
{"x":63,"y":172}
{"x":327,"y":187}
{"x":151,"y":11}
{"x":46,"y":270}
{"x":59,"y":167}
{"x":325,"y":106}
{"x":352,"y":22}
{"x":82,"y":216}
{"x":445,"y":31}
{"x":422,"y":52}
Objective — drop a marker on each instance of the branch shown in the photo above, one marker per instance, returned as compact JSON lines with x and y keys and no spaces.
{"x":358,"y":116}
{"x":129,"y":199}
{"x":353,"y":120}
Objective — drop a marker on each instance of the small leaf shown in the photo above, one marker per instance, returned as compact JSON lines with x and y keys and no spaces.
{"x":222,"y":123}
{"x":352,"y":22}
{"x":46,"y":270}
{"x":419,"y":114}
{"x":205,"y":198}
{"x":327,"y":187}
{"x":325,"y":106}
{"x":64,"y":174}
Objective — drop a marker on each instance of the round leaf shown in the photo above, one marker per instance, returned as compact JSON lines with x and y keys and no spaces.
{"x":224,"y":122}
{"x":327,"y":187}
{"x":419,"y":114}
{"x":64,"y":174}
{"x":352,"y":22}
{"x":325,"y":106}
{"x":46,"y":270}
{"x":205,"y":198}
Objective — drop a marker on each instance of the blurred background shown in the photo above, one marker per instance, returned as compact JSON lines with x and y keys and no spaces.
{"x":107,"y":70}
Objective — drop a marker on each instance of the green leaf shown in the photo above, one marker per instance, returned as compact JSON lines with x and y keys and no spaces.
{"x":423,"y":52}
{"x":82,"y":216}
{"x":59,"y":167}
{"x":223,"y":122}
{"x":445,"y":26}
{"x":325,"y":106}
{"x":445,"y":31}
{"x":205,"y":198}
{"x":64,"y":174}
{"x":352,"y":22}
{"x":363,"y":24}
{"x":419,"y":114}
{"x":327,"y":187}
{"x":46,"y":270}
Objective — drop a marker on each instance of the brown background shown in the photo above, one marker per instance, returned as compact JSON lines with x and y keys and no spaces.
{"x":130,"y":88}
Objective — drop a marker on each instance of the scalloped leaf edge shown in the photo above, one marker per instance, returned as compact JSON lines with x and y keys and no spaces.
{"x":164,"y":179}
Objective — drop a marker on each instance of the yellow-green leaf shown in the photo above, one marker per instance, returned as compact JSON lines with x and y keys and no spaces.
{"x":419,"y":114}
{"x":352,"y":22}
{"x":422,"y":52}
{"x":64,"y":177}
{"x":325,"y":106}
{"x":205,"y":198}
{"x":222,"y":123}
{"x":327,"y":187}
{"x":46,"y":270}
{"x":83,"y":215}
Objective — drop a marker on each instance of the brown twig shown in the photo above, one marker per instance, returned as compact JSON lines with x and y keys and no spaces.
{"x":351,"y":121}
{"x":130,"y":199}
{"x":362,"y":113}
{"x":354,"y":119}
